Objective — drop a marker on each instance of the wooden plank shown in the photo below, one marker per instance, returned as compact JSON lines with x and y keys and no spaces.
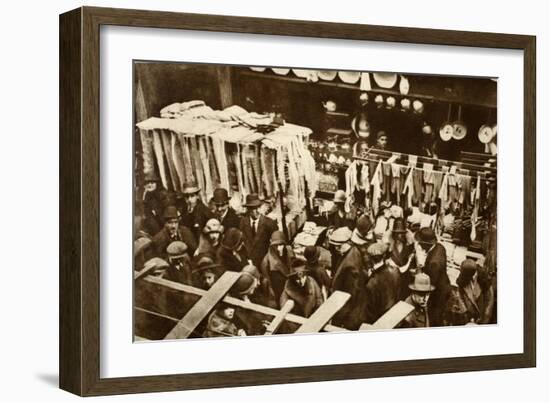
{"x":390,"y":319}
{"x":324,"y":313}
{"x":202,"y":307}
{"x":265,"y":310}
{"x":278,"y":319}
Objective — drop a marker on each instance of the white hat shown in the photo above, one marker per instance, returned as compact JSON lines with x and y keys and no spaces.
{"x":385,"y":80}
{"x":280,"y":71}
{"x":349,"y":77}
{"x":327,"y":75}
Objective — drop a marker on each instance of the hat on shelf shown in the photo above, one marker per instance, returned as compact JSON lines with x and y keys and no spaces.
{"x":327,"y":75}
{"x":385,"y":80}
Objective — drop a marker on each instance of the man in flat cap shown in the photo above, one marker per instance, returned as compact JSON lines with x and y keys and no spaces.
{"x":172,"y":231}
{"x":383,"y":286}
{"x":179,"y":265}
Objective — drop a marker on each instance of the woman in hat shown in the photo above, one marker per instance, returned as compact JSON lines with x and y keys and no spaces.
{"x":232,"y":254}
{"x":421,"y":288}
{"x":302,"y":289}
{"x":152,"y":204}
{"x":205,"y":272}
{"x":318,"y":262}
{"x":195,"y":214}
{"x":275,"y":265}
{"x":210,"y":239}
{"x":221,"y":323}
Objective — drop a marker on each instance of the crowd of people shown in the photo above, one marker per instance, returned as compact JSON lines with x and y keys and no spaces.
{"x":379,"y":260}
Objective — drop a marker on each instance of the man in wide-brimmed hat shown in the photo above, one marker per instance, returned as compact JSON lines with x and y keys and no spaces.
{"x":352,"y":274}
{"x":302,"y":289}
{"x":232,"y":254}
{"x":420,"y":288}
{"x":225,"y":214}
{"x":432,"y":259}
{"x":172,"y":231}
{"x":276,"y":265}
{"x":383,"y":288}
{"x":256,"y":229}
{"x":195,"y":214}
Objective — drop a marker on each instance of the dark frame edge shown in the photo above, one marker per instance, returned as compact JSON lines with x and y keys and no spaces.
{"x":79,"y":153}
{"x":70,"y":275}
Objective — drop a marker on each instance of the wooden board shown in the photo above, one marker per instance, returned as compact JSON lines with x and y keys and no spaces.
{"x":278,"y":319}
{"x":262,"y":309}
{"x":203,"y":306}
{"x":324,"y":313}
{"x":390,"y":319}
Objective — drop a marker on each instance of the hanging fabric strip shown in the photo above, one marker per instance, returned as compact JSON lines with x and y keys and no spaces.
{"x":376,"y":184}
{"x":157,"y":145}
{"x":475,"y":211}
{"x":408,"y":188}
{"x":178,"y":160}
{"x":146,"y":138}
{"x":351,"y":178}
{"x":165,"y":137}
{"x":428,"y":182}
{"x":208,"y":188}
{"x":396,"y":182}
{"x":186,"y":158}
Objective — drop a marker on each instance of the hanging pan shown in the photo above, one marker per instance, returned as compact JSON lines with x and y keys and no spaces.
{"x":459,"y":127}
{"x":446,"y":129}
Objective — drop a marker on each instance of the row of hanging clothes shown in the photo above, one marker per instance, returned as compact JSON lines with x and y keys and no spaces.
{"x":213,"y":153}
{"x":418,"y":185}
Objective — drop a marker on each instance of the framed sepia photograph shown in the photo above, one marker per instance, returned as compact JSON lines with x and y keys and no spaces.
{"x":250,"y":201}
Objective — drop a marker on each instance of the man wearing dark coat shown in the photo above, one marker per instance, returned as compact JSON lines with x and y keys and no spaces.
{"x":152,"y":204}
{"x":275,"y":265}
{"x":225,"y":214}
{"x":195,"y":214}
{"x":435,"y":266}
{"x":232,"y":254}
{"x":337,"y":217}
{"x":352,"y":276}
{"x":172,"y":231}
{"x":256,"y":229}
{"x":179,"y":269}
{"x":302,"y":289}
{"x":383,"y":287}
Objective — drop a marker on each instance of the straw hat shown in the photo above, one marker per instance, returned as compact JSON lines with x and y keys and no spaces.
{"x":349,"y":77}
{"x":327,"y":75}
{"x":280,"y":71}
{"x":421,"y":283}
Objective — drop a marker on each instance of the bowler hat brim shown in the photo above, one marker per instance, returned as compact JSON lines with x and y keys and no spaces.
{"x":421,"y":289}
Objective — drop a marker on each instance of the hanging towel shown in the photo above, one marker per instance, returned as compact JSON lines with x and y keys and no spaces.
{"x":386,"y":184}
{"x":396,"y":182}
{"x":376,"y":183}
{"x":475,"y":211}
{"x":408,"y":188}
{"x":351,"y":178}
{"x":167,"y":147}
{"x":159,"y":154}
{"x":438,"y":181}
{"x":428,"y":182}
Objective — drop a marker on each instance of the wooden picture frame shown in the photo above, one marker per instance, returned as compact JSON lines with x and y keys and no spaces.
{"x":79,"y":346}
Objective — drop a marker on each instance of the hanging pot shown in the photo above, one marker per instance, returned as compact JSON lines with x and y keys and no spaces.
{"x":446,"y":129}
{"x":361,"y":126}
{"x":459,"y":127}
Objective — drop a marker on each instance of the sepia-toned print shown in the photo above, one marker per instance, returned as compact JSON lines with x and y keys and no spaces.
{"x":276,"y":200}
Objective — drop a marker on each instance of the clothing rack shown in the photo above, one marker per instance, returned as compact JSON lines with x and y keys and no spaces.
{"x":459,"y":171}
{"x":376,"y":155}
